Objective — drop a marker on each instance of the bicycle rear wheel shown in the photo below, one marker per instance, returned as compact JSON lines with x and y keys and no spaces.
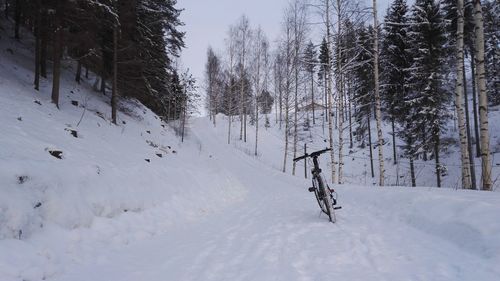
{"x":327,"y":201}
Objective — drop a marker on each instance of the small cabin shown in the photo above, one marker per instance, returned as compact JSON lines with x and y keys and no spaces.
{"x":309,"y":107}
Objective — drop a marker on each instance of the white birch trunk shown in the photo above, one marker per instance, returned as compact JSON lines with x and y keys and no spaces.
{"x":378,"y":112}
{"x":340,"y":93}
{"x":483,"y":98}
{"x":459,"y":90}
{"x":296,"y":92}
{"x":329,"y":93}
{"x":287,"y":95}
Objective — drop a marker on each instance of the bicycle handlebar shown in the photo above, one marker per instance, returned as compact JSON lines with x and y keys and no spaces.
{"x":313,"y":154}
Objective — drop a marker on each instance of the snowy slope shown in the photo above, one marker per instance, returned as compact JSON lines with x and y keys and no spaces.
{"x":356,"y":159}
{"x":204,"y":210}
{"x":277,"y":233}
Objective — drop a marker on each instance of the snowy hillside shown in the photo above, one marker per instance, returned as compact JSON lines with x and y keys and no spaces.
{"x":82,"y":199}
{"x":357,"y":159}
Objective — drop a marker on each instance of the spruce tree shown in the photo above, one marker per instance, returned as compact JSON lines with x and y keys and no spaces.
{"x":363,"y":90}
{"x":427,"y":39}
{"x":310,"y":62}
{"x":395,"y":62}
{"x":325,"y":60}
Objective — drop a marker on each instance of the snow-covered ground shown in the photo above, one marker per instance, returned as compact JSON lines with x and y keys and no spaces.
{"x":205,"y":210}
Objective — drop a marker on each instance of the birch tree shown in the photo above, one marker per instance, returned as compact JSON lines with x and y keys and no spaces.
{"x":298,"y":20}
{"x":259,"y":72}
{"x":483,"y":98}
{"x":378,"y":112}
{"x":459,"y":89}
{"x":243,"y":41}
{"x":285,"y":48}
{"x":328,"y":78}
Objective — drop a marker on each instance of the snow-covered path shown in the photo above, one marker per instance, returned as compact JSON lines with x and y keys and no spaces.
{"x":276,"y":233}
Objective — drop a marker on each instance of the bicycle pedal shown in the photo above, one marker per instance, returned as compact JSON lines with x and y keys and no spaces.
{"x":312,"y":189}
{"x":337,"y":208}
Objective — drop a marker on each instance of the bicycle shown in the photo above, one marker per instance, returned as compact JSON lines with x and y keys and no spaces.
{"x":323,"y":193}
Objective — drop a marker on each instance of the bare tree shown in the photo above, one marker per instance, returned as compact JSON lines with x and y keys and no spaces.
{"x":231,"y":52}
{"x":287,"y":61}
{"x":243,"y":41}
{"x":259,"y":70}
{"x":212,"y":80}
{"x":297,"y":12}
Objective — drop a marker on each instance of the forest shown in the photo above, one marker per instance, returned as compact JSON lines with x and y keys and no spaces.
{"x":131,"y":45}
{"x":423,"y":67}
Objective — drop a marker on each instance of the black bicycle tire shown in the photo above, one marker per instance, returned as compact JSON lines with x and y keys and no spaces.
{"x":329,"y":208}
{"x":316,"y":194}
{"x":328,"y":205}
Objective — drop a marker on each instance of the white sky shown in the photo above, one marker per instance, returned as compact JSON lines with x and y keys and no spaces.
{"x":207,"y":22}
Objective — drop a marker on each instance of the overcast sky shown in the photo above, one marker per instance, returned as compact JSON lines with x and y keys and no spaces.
{"x":207,"y":22}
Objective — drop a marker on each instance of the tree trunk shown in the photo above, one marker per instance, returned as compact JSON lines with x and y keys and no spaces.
{"x":474,"y":104}
{"x":78,"y":74}
{"x":351,"y":143}
{"x":256,"y":128}
{"x":394,"y":153}
{"x":57,"y":56}
{"x":281,"y":106}
{"x":103,"y":73}
{"x":296,"y":92}
{"x":328,"y":82}
{"x":469,"y":139}
{"x":459,"y":90}
{"x":245,"y":123}
{"x":44,"y":43}
{"x":114,"y":95}
{"x":242,"y":85}
{"x":340,"y":93}
{"x":412,"y":173}
{"x":184,"y":116}
{"x":37,"y":46}
{"x":286,"y":129}
{"x":312,"y":97}
{"x":370,"y":142}
{"x":483,"y":98}
{"x":377,"y":96}
{"x":17,"y":19}
{"x":436,"y":158}
{"x":287,"y":96}
{"x":6,"y":11}
{"x":325,"y":87}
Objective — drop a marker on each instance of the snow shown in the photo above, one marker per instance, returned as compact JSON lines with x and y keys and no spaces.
{"x":207,"y":210}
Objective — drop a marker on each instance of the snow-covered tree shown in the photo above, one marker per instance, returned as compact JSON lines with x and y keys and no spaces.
{"x":427,"y":42}
{"x":395,"y":62}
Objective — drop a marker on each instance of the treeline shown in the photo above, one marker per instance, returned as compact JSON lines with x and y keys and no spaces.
{"x":410,"y":71}
{"x":240,"y":85}
{"x":131,"y":45}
